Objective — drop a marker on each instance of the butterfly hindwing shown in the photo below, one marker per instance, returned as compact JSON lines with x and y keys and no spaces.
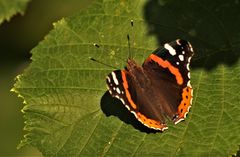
{"x":121,"y":85}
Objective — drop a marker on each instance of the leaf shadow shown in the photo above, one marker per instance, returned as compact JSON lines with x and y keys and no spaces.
{"x":114,"y":107}
{"x":214,"y":36}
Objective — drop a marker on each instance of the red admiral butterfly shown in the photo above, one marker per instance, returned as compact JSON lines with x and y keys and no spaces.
{"x":158,"y":89}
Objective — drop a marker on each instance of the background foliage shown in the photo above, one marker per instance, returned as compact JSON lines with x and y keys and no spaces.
{"x":69,"y":112}
{"x":17,"y":37}
{"x":10,"y":8}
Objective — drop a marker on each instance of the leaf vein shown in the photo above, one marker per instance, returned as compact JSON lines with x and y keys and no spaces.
{"x":107,"y":147}
{"x":136,"y":150}
{"x":221,"y":114}
{"x":78,"y":154}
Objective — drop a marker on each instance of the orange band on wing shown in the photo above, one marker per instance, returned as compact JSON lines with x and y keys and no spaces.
{"x":166,"y":64}
{"x":125,"y":85}
{"x":185,"y":104}
{"x":150,"y":122}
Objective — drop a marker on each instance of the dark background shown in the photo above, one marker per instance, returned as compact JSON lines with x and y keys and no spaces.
{"x":17,"y":37}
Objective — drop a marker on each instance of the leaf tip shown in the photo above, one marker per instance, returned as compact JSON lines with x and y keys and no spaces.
{"x":60,"y":22}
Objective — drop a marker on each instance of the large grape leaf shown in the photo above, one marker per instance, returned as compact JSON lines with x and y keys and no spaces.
{"x":69,"y":113}
{"x":8,"y":8}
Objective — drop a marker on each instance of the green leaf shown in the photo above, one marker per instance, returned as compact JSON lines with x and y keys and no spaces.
{"x":8,"y":8}
{"x":69,"y":113}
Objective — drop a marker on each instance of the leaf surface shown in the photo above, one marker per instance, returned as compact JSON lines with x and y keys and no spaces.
{"x":69,"y":113}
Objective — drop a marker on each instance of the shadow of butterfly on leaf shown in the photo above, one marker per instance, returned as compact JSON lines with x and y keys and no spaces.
{"x":114,"y":107}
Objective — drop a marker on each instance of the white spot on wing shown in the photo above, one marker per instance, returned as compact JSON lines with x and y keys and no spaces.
{"x":122,"y":101}
{"x":185,"y":114}
{"x":118,"y":91}
{"x":183,"y":52}
{"x":191,"y":49}
{"x":170,"y":49}
{"x":114,"y":78}
{"x":188,"y":74}
{"x":108,"y":79}
{"x":177,"y":63}
{"x":165,"y":128}
{"x":127,"y":107}
{"x":181,"y":57}
{"x":179,"y":120}
{"x":132,"y":112}
{"x":177,"y":41}
{"x":188,"y":67}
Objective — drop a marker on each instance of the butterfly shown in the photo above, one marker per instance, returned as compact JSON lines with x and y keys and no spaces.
{"x":159,"y":89}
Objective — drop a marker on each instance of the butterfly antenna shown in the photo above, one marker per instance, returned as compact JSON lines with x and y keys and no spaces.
{"x":129,"y":52}
{"x":100,"y":62}
{"x":98,"y":46}
{"x":129,"y":45}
